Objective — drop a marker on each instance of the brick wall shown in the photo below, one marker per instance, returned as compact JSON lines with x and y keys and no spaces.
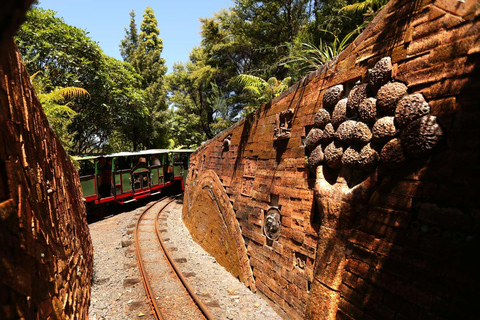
{"x":46,"y":255}
{"x":388,"y":231}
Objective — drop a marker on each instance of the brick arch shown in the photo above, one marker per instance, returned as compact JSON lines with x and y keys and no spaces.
{"x":210,"y":217}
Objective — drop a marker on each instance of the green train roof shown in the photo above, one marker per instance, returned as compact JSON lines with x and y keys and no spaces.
{"x":136,"y":153}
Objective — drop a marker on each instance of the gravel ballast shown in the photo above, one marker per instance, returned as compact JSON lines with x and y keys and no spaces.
{"x":118,"y":293}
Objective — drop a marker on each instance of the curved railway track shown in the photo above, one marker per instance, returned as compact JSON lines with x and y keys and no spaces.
{"x":170,"y":296}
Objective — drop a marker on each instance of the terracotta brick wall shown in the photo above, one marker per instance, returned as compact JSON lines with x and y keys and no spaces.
{"x":367,"y":236}
{"x":46,"y":257}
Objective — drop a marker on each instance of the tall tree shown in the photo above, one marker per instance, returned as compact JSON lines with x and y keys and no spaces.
{"x":148,"y":62}
{"x":257,"y":39}
{"x":130,"y":43}
{"x":67,"y":57}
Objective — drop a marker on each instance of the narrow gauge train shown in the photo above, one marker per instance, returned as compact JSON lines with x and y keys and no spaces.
{"x":126,"y":176}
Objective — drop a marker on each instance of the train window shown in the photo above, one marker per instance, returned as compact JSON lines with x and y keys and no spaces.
{"x":140,"y":162}
{"x":122,"y":163}
{"x":155,"y":160}
{"x":87,"y":167}
{"x":177,"y":157}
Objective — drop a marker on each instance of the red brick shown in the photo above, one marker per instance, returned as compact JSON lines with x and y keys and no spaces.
{"x":436,"y":53}
{"x":451,"y":51}
{"x":362,"y":239}
{"x":351,"y":295}
{"x":59,"y":234}
{"x":395,"y":267}
{"x":386,"y":248}
{"x":350,"y":309}
{"x":425,"y":76}
{"x":364,"y":255}
{"x":393,"y":218}
{"x":458,"y":8}
{"x":342,"y":315}
{"x":444,"y":109}
{"x":462,"y":31}
{"x":425,"y":44}
{"x":357,"y":267}
{"x":428,"y":13}
{"x":349,"y":279}
{"x":402,"y":203}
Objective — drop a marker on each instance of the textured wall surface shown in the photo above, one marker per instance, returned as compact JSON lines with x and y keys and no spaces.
{"x":46,"y":255}
{"x":216,"y":228}
{"x":355,"y":191}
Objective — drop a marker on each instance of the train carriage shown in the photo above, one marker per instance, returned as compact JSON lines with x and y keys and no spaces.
{"x":127,"y":176}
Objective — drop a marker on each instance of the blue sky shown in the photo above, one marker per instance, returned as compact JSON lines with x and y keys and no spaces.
{"x":105,"y":21}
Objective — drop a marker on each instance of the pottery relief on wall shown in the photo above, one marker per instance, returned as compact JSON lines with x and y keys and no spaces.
{"x":377,"y":122}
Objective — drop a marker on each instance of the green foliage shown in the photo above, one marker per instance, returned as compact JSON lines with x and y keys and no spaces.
{"x":366,"y":6}
{"x":369,"y":8}
{"x":149,"y":32}
{"x":135,"y":105}
{"x":56,"y":105}
{"x":218,"y":100}
{"x":262,"y":91}
{"x":67,"y":57}
{"x":130,"y":43}
{"x":306,"y":57}
{"x":250,"y":38}
{"x":251,"y":41}
{"x":189,"y":123}
{"x":147,"y":61}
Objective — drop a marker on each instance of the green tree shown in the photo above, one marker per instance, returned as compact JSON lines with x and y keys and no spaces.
{"x":67,"y":57}
{"x":57,"y":106}
{"x":218,"y":100}
{"x":191,"y":118}
{"x":148,"y":63}
{"x":252,"y":41}
{"x":130,"y":43}
{"x":251,"y":36}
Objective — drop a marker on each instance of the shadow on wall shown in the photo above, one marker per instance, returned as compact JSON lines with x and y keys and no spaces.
{"x":393,"y":39}
{"x":247,"y":128}
{"x":403,"y":246}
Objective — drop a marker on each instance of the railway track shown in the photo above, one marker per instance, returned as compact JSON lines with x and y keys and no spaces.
{"x":170,"y":296}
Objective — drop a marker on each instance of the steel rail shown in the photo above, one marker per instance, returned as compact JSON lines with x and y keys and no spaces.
{"x":180,"y":275}
{"x":156,"y":310}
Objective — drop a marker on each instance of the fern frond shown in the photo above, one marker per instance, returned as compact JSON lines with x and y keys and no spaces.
{"x":71,"y":92}
{"x":32,"y":77}
{"x":248,"y":80}
{"x":253,"y":89}
{"x":364,"y":6}
{"x":356,"y":7}
{"x":58,"y":109}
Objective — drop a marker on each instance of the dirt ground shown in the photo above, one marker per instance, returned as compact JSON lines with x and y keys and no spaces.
{"x":118,"y":293}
